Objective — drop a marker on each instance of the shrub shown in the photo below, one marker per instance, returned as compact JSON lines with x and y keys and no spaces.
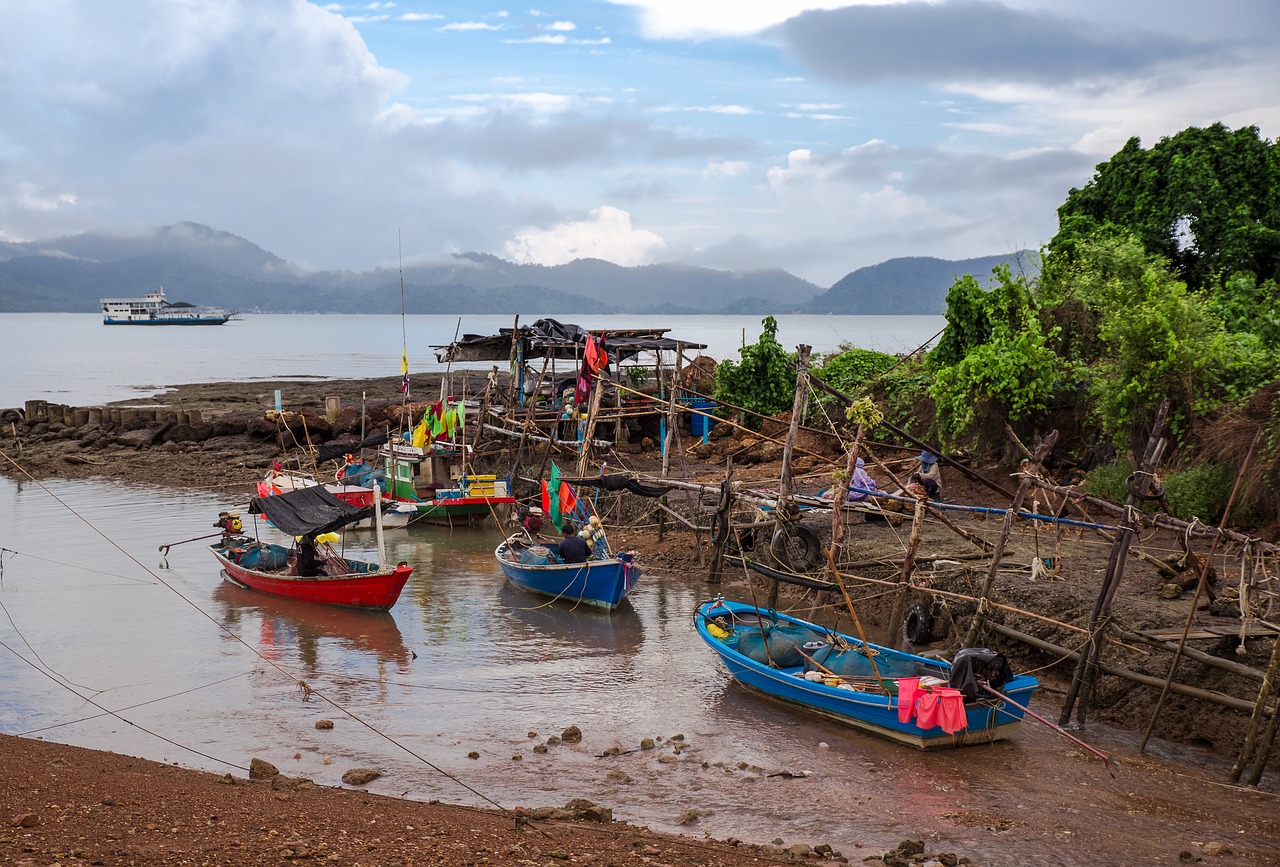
{"x":1200,"y":492}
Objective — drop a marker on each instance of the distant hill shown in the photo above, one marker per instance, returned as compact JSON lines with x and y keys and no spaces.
{"x":916,"y":284}
{"x":205,"y":266}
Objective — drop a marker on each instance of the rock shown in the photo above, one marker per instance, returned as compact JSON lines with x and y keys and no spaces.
{"x":540,"y":748}
{"x":616,"y":776}
{"x":553,"y":740}
{"x":533,"y":734}
{"x":1170,"y":591}
{"x":324,"y":725}
{"x":1214,"y":849}
{"x":25,"y":820}
{"x":281,"y":783}
{"x":360,"y":776}
{"x":799,"y":850}
{"x":571,"y":735}
{"x":590,"y":811}
{"x":666,"y":760}
{"x":473,"y":755}
{"x":260,"y":769}
{"x":676,"y":738}
{"x":646,"y":744}
{"x":688,"y":817}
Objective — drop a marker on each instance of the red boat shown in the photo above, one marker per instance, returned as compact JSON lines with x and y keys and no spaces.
{"x":310,"y":570}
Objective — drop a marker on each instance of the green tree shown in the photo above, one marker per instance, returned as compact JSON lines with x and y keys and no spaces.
{"x":1208,"y":200}
{"x":1009,"y":375}
{"x":765,"y":380}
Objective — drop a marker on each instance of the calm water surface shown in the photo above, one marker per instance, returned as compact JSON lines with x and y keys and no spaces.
{"x":73,"y":358}
{"x":464,"y":663}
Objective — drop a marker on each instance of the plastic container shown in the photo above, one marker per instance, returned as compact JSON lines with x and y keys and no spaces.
{"x":700,"y":425}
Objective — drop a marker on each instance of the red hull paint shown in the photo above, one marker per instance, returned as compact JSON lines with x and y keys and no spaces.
{"x":378,"y":590}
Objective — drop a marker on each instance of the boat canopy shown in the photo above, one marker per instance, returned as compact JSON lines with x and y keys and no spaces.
{"x":552,"y":338}
{"x":307,"y":511}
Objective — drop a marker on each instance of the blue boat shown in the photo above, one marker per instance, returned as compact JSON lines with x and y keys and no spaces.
{"x":602,"y":582}
{"x":829,"y":673}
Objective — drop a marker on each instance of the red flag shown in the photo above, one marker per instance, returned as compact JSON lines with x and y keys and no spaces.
{"x":568,"y":500}
{"x":546,"y":499}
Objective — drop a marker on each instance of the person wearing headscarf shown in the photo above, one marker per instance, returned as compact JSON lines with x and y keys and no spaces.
{"x":860,"y":479}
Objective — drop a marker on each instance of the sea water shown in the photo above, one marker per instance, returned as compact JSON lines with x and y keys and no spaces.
{"x":72,"y":358}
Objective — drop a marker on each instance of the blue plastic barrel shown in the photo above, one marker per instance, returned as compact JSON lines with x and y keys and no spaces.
{"x":700,"y":425}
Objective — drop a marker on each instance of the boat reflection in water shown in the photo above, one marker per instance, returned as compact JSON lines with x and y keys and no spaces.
{"x":290,"y":628}
{"x":575,"y":627}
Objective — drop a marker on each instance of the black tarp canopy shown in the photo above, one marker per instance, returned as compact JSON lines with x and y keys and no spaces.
{"x":552,"y":338}
{"x":307,"y":511}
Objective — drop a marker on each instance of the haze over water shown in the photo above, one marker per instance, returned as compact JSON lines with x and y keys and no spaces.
{"x":73,"y":358}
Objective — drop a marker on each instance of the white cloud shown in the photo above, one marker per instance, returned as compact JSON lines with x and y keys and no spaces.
{"x":468,"y":25}
{"x":606,"y":234}
{"x":564,"y":25}
{"x":681,"y":19}
{"x":420,"y":16}
{"x":725,"y":168}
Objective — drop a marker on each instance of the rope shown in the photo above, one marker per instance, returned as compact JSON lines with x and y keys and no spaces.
{"x":270,"y":662}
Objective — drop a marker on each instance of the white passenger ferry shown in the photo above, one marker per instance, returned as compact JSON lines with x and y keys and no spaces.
{"x":153,"y":309}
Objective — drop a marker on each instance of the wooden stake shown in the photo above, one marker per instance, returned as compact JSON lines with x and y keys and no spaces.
{"x":1259,"y":711}
{"x":782,"y":515}
{"x":904,"y":577}
{"x":724,"y":508}
{"x":979,"y":616}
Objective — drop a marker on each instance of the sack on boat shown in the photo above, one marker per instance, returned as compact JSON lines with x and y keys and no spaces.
{"x":265,"y":557}
{"x":538,"y":555}
{"x":784,"y":643}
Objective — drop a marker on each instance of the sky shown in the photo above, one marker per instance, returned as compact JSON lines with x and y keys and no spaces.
{"x":810,"y":135}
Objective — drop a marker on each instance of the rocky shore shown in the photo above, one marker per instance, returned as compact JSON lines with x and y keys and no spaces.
{"x":65,"y":805}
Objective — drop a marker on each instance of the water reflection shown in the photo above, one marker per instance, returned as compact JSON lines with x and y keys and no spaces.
{"x":286,"y":629}
{"x":581,"y":630}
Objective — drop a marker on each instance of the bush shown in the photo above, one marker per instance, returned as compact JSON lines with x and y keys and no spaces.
{"x":1107,"y":482}
{"x":1200,"y":492}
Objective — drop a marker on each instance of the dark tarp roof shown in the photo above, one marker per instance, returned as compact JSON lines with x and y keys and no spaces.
{"x":550,"y":337}
{"x":307,"y":511}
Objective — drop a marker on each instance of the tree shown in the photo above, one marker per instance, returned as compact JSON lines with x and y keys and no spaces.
{"x":765,"y":380}
{"x":1208,"y":200}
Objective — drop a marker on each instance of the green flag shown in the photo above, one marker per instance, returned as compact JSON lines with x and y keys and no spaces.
{"x":557,"y":517}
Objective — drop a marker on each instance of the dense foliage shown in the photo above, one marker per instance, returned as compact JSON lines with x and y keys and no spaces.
{"x":765,"y":380}
{"x":1207,"y":200}
{"x":851,"y":369}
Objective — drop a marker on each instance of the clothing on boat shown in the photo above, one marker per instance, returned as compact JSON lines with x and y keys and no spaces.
{"x":573,"y":549}
{"x":908,"y":689}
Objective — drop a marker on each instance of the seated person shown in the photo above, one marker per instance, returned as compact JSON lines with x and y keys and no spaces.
{"x":861,"y":479}
{"x":573,"y":548}
{"x":929,"y":471}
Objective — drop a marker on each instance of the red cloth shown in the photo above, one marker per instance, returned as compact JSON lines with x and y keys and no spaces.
{"x":546,"y":499}
{"x":927,"y":715}
{"x":908,"y":688}
{"x":951,"y":714}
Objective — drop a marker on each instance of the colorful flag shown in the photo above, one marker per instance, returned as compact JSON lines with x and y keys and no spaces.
{"x":546,"y":499}
{"x":419,"y":439}
{"x":404,"y":371}
{"x":563,"y":502}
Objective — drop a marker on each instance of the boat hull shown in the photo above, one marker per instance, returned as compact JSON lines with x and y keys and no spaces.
{"x":370,"y":590}
{"x":986,"y":720}
{"x":599,"y":583}
{"x":458,"y":512}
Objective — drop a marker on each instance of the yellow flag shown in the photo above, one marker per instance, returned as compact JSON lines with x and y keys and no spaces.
{"x":404,"y":362}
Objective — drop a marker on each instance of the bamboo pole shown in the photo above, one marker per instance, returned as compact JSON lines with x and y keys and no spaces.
{"x":1264,"y":750}
{"x":528,"y":417}
{"x":979,"y":616}
{"x":1217,"y":698}
{"x":862,"y":636}
{"x":840,"y":494}
{"x":592,"y":413}
{"x":724,"y":508}
{"x":1201,"y":584}
{"x":1259,"y":710}
{"x":1082,"y":676}
{"x":904,"y":577}
{"x":782,"y":514}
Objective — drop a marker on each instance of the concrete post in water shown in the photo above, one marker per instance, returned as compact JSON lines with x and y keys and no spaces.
{"x":332,"y":406}
{"x":69,"y":415}
{"x":94,"y":415}
{"x":194,"y":416}
{"x":114,"y":414}
{"x":33,"y":409}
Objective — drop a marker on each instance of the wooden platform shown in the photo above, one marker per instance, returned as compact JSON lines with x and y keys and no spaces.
{"x":1255,"y":630}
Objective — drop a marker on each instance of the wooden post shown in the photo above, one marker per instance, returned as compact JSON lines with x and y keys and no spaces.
{"x":839,"y":495}
{"x":1267,"y":689}
{"x":620,"y":425}
{"x":980,"y":616}
{"x":1201,"y":584}
{"x":1087,"y":663}
{"x":782,"y":514}
{"x":724,"y":509}
{"x":515,"y":366}
{"x":528,"y":417}
{"x":592,"y":414}
{"x":904,"y":577}
{"x":672,"y":389}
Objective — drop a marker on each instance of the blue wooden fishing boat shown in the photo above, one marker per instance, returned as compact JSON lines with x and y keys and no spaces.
{"x":602,"y":582}
{"x":831,"y":674}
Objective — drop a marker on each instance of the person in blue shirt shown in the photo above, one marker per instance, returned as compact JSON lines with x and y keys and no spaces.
{"x":573,"y":548}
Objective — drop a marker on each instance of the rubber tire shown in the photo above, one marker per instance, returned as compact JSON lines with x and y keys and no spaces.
{"x":917,"y":627}
{"x":796,"y":548}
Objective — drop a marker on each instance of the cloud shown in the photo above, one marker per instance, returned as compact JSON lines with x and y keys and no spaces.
{"x":977,"y":42}
{"x":419,"y":16}
{"x":725,"y":168}
{"x":606,"y":233}
{"x":468,"y":26}
{"x":704,"y":19}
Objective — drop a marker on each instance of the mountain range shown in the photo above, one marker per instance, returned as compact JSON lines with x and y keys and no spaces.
{"x":206,"y":266}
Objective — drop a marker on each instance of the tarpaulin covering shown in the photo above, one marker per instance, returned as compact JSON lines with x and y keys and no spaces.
{"x":307,"y":511}
{"x":619,"y":482}
{"x":550,"y":337}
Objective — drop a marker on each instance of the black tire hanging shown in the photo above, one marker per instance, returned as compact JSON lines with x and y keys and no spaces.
{"x":917,"y":628}
{"x":796,"y":548}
